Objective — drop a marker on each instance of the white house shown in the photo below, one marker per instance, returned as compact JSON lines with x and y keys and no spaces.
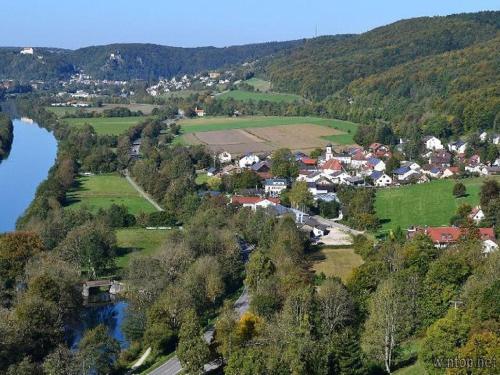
{"x":495,"y":138}
{"x":411,"y":165}
{"x":225,"y":157}
{"x":248,"y":160}
{"x":432,"y":143}
{"x":274,"y":186}
{"x":315,"y":189}
{"x":380,"y":179}
{"x":376,"y":164}
{"x":255,"y":202}
{"x":489,"y":246}
{"x":199,"y":112}
{"x":477,"y":214}
{"x":404,"y":173}
{"x":27,"y":51}
{"x":457,"y":146}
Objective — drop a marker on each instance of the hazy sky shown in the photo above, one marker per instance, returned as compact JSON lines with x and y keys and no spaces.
{"x":77,"y":23}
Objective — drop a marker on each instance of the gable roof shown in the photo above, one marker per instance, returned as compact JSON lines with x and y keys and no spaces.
{"x":332,"y":164}
{"x":252,"y":200}
{"x":376,"y":175}
{"x":452,"y":234}
{"x":402,"y":170}
{"x":374,"y":161}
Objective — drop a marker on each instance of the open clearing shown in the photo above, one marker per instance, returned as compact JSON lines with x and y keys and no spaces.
{"x":335,"y":262}
{"x":256,"y":96}
{"x":423,"y":204}
{"x":106,"y":125}
{"x":101,"y":191}
{"x":263,"y":133}
{"x":259,"y":84}
{"x":137,"y":241}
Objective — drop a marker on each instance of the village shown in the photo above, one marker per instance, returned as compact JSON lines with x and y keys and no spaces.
{"x":363,"y":168}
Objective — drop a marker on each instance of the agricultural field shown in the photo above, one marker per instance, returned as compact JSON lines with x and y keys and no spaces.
{"x":338,"y":262}
{"x":256,"y":96}
{"x":106,"y":125}
{"x":261,"y":133}
{"x":430,"y":204}
{"x":137,"y":241}
{"x":146,"y":109}
{"x":101,"y":191}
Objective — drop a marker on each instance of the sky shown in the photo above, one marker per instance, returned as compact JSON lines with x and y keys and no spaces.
{"x":191,"y":23}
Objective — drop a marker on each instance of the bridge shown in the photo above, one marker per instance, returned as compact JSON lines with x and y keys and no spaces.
{"x":115,"y":287}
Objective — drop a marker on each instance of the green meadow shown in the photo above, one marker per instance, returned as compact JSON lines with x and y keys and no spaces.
{"x":106,"y":125}
{"x":430,"y":204}
{"x":137,"y":241}
{"x":101,"y":191}
{"x":256,"y":96}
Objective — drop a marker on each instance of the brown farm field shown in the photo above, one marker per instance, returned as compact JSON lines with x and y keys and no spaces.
{"x":303,"y":137}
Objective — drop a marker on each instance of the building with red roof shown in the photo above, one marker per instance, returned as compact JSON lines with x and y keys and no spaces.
{"x":445,"y":236}
{"x":332,"y":165}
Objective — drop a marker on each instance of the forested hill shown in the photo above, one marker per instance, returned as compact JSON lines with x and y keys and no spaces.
{"x":130,"y":61}
{"x":325,"y":66}
{"x":450,"y":93}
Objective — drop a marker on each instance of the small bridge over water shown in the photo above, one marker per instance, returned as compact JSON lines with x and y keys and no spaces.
{"x":115,"y":287}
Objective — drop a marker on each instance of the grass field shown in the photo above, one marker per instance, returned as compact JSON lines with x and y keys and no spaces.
{"x":346,"y":129}
{"x":137,"y":241}
{"x":335,"y":262}
{"x":256,"y":96}
{"x":106,"y":125}
{"x":143,"y":107}
{"x":259,"y":84}
{"x":101,"y":191}
{"x":424,"y":204}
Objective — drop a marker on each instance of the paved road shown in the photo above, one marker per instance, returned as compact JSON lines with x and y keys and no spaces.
{"x":173,"y":366}
{"x":334,"y":224}
{"x":142,"y":192}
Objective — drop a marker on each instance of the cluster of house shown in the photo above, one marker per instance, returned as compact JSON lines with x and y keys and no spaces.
{"x":442,"y":237}
{"x":210,"y":79}
{"x":86,"y":79}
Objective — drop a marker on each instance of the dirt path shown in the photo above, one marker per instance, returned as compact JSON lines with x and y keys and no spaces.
{"x":142,"y":192}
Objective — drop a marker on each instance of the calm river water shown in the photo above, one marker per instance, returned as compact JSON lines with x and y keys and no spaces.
{"x":33,"y":153}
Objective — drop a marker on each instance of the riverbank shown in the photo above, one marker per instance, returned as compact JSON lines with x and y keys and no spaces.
{"x":6,"y":136}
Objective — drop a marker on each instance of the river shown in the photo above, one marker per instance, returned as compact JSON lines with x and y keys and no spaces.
{"x":32,"y":154}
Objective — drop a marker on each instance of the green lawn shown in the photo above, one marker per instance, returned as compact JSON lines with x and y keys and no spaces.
{"x":335,"y":262}
{"x":424,"y":204}
{"x":201,"y":179}
{"x":137,"y":241}
{"x":206,"y":124}
{"x":106,"y":125}
{"x":61,"y":111}
{"x":101,"y":191}
{"x":256,"y":96}
{"x":259,"y":84}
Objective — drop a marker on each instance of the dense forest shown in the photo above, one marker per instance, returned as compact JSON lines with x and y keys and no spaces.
{"x":6,"y":135}
{"x":129,"y":61}
{"x":439,"y":73}
{"x":324,"y":66}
